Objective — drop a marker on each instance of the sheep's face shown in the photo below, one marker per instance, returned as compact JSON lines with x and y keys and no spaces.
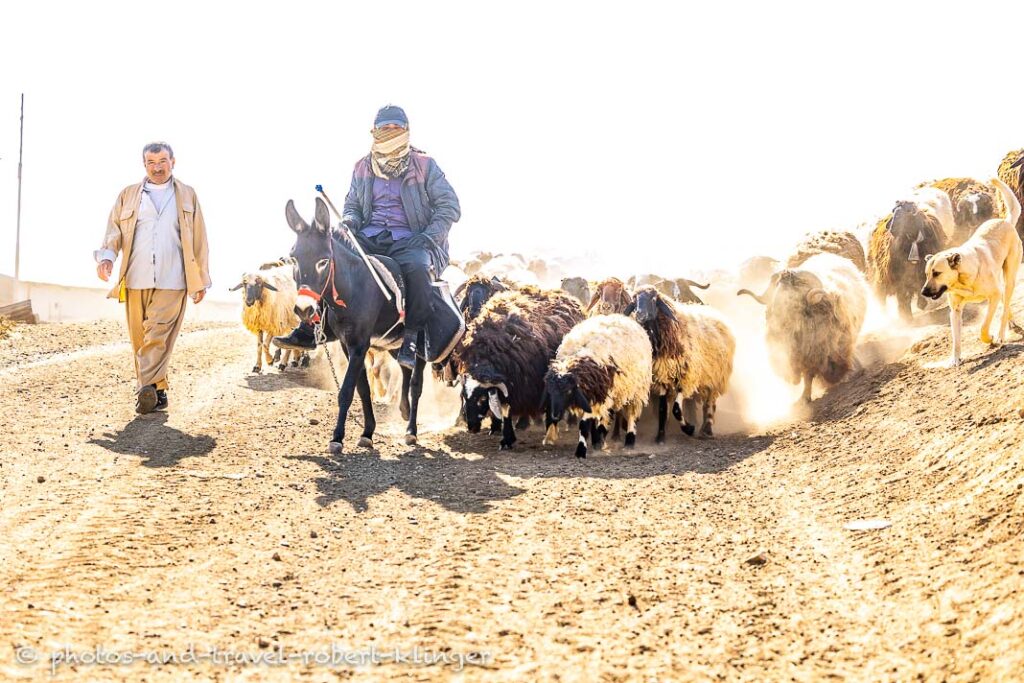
{"x":478,"y":293}
{"x":973,"y":209}
{"x":611,"y":297}
{"x":480,"y":398}
{"x":941,"y":273}
{"x":647,"y":304}
{"x":253,"y":289}
{"x":905,"y":227}
{"x":311,"y":252}
{"x":561,"y":392}
{"x":796,"y":292}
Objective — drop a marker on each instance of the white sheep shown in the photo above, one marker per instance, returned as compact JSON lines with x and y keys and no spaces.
{"x":813,"y":318}
{"x":603,"y":367}
{"x":268,"y":311}
{"x":693,"y":350}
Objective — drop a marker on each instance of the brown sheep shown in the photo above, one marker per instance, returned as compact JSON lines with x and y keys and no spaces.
{"x":610,"y":296}
{"x":843,"y":244}
{"x":1010,"y":172}
{"x":507,"y":351}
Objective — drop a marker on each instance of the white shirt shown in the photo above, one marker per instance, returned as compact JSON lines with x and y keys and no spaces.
{"x":156,"y":260}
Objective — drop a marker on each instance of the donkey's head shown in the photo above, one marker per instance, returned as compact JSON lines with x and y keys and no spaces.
{"x":312,"y":254}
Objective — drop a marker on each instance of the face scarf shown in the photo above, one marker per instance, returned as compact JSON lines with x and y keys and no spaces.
{"x":389,"y":155}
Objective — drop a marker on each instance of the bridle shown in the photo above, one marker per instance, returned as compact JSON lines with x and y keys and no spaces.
{"x":304,"y":290}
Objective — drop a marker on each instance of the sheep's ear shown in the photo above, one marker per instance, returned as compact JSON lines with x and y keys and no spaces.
{"x":581,"y":401}
{"x":666,"y":309}
{"x":322,"y":217}
{"x":888,"y":223}
{"x":815,"y":296}
{"x":237,"y":287}
{"x":295,"y":221}
{"x":269,"y":286}
{"x":625,"y":298}
{"x":459,"y":290}
{"x":498,"y":284}
{"x":630,"y":308}
{"x":593,"y":300}
{"x":953,"y":260}
{"x":545,"y":400}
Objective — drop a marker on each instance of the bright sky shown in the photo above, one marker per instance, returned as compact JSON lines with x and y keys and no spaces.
{"x":654,"y":136}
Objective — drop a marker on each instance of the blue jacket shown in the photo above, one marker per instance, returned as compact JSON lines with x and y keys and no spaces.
{"x":430,"y":203}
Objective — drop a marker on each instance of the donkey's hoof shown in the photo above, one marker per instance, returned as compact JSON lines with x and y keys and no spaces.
{"x":365,"y":442}
{"x":411,"y":440}
{"x":336,"y":448}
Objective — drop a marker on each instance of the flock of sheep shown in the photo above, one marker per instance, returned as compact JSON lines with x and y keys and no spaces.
{"x":595,"y":351}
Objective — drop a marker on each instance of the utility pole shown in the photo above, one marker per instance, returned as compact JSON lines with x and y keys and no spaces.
{"x":17,"y":235}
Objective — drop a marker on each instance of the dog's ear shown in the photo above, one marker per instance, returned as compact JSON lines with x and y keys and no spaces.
{"x":928,"y":258}
{"x":953,"y":260}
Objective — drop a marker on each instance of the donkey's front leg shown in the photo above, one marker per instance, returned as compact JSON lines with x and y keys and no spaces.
{"x":369,"y":420}
{"x":356,"y":367}
{"x":415,"y":390}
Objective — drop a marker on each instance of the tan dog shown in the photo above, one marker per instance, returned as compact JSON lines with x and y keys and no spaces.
{"x":984,"y":268}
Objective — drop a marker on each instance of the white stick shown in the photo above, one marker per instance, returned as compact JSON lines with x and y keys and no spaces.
{"x":359,"y":249}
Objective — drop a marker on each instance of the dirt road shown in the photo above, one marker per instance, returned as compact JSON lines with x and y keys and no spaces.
{"x":224,"y":524}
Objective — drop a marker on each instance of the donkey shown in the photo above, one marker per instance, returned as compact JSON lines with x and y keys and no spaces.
{"x":331,"y":275}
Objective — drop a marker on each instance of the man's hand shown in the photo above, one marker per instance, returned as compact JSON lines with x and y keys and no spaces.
{"x":198,"y":296}
{"x":104,"y":269}
{"x":421,"y":241}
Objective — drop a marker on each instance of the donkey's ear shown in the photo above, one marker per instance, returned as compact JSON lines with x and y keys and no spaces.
{"x":323,"y":217}
{"x":295,"y":221}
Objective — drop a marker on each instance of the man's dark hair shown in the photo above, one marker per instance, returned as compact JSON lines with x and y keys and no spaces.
{"x":156,"y":148}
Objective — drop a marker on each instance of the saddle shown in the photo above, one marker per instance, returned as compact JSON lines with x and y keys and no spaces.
{"x":446,"y":325}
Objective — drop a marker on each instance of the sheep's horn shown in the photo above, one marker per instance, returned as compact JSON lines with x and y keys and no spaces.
{"x":1018,"y":163}
{"x":696,"y":284}
{"x":755,"y":297}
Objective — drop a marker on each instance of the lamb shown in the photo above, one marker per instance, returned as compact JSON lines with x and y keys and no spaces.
{"x":693,"y":350}
{"x":269,"y":299}
{"x":603,"y":367}
{"x":610,"y":296}
{"x":506,"y":353}
{"x":840,"y":243}
{"x":897,"y":250}
{"x":814,"y":315}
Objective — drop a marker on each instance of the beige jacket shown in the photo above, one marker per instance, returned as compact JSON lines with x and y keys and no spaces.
{"x":194,"y":248}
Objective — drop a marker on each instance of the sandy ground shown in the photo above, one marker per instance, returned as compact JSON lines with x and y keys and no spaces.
{"x":224,"y":524}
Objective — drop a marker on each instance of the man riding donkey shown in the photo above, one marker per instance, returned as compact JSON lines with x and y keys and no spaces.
{"x":399,"y":205}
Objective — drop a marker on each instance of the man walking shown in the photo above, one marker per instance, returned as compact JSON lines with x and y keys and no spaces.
{"x":158,"y":227}
{"x":400,"y":205}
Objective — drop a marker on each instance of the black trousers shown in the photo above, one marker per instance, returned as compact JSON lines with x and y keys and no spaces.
{"x":415,"y":264}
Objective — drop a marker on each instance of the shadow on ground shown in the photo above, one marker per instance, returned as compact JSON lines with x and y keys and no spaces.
{"x":149,"y":437}
{"x":476,"y":475}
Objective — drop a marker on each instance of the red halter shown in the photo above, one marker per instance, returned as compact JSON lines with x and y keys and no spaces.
{"x":306,"y":291}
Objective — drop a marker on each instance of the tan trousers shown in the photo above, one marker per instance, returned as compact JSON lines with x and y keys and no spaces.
{"x":154,"y":320}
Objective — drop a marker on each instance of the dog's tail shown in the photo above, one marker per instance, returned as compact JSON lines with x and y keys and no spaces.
{"x":1009,"y":201}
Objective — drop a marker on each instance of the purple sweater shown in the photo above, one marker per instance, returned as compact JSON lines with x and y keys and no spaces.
{"x":388,"y":212}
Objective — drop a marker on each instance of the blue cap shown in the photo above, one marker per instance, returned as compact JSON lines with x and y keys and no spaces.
{"x":391,"y":114}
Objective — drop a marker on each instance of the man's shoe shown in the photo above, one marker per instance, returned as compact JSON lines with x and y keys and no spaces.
{"x":161,"y":400}
{"x":146,"y":399}
{"x":300,"y":339}
{"x":407,"y":354}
